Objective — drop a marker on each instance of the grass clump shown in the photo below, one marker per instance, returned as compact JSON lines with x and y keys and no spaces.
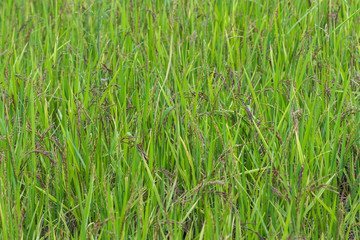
{"x":179,"y":119}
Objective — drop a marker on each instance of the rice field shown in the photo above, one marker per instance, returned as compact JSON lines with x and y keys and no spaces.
{"x":187,"y":119}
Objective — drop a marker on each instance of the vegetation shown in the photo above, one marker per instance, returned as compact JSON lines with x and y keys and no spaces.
{"x":182,"y":119}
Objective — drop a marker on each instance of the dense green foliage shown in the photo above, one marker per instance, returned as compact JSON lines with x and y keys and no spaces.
{"x":182,"y":119}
